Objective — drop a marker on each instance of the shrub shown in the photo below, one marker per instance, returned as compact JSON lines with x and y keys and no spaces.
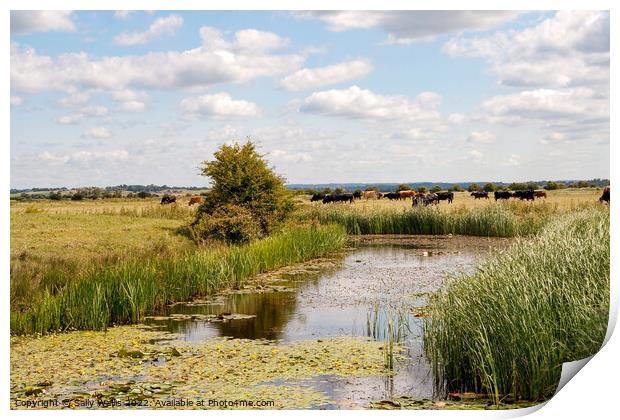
{"x":77,"y":196}
{"x":245,"y":184}
{"x":229,"y":223}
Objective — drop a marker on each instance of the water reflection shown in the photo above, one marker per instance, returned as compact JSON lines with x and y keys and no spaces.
{"x":370,"y":293}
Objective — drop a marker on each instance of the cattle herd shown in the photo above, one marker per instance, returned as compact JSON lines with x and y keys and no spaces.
{"x":417,"y":198}
{"x":420,"y":198}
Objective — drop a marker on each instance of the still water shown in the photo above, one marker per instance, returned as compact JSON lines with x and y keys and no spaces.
{"x":375,"y":284}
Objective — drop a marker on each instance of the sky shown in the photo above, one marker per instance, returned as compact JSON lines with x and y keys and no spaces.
{"x":104,"y":98}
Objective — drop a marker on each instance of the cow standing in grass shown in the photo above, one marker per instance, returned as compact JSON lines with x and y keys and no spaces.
{"x":405,"y":194}
{"x":392,"y":196}
{"x":168,"y":199}
{"x":317,"y":197}
{"x":605,"y":196}
{"x":336,"y":198}
{"x":540,"y":194}
{"x":195,"y":200}
{"x":502,"y":195}
{"x":445,"y":195}
{"x":480,"y":194}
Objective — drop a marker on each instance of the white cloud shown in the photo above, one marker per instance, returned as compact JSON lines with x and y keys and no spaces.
{"x":355,"y":102}
{"x":123,"y":14}
{"x":475,"y":156}
{"x":569,"y":49}
{"x":481,"y":137}
{"x":74,"y":98}
{"x":95,"y":111}
{"x":329,"y":75}
{"x":218,"y":105}
{"x":161,"y":26}
{"x":16,"y":100}
{"x":513,"y":160}
{"x":215,"y":61}
{"x":456,"y":118}
{"x":84,"y":156}
{"x":89,"y":111}
{"x":133,"y":106}
{"x":97,"y":133}
{"x":405,"y":27}
{"x":27,"y":21}
{"x":286,"y":156}
{"x":70,"y":119}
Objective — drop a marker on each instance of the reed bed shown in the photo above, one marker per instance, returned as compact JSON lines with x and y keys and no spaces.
{"x":506,"y":330}
{"x":491,"y":220}
{"x":127,"y":291}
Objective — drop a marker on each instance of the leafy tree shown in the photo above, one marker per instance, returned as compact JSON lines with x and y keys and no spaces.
{"x":456,"y":187}
{"x":327,"y":190}
{"x":473,"y":187}
{"x":77,"y":196}
{"x":55,"y":195}
{"x":489,"y":187}
{"x":143,"y":194}
{"x":436,"y":188}
{"x":373,"y":188}
{"x":247,"y":198}
{"x":403,"y":187}
{"x":422,"y":189}
{"x":339,"y":190}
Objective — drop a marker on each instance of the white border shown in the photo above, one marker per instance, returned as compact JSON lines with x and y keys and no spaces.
{"x":591,"y":394}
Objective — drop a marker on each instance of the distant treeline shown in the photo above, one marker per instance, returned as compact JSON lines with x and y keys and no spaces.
{"x":151,"y":188}
{"x":442,"y":186}
{"x":145,"y":190}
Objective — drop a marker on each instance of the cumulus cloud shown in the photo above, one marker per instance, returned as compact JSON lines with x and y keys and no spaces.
{"x":356,"y":102}
{"x":329,"y":75}
{"x":405,"y":27}
{"x":97,"y":133}
{"x":161,"y":26}
{"x":481,"y":137}
{"x":28,"y":21}
{"x":89,"y":111}
{"x":218,"y":105}
{"x":217,"y":60}
{"x":123,"y":14}
{"x":84,"y":156}
{"x":569,"y":49}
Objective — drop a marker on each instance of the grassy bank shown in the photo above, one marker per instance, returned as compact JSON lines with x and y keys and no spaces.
{"x":505,"y":220}
{"x":507,"y":329}
{"x":126,"y":291}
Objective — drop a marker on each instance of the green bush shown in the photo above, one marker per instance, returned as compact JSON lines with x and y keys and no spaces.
{"x":245,"y":185}
{"x":228,"y":223}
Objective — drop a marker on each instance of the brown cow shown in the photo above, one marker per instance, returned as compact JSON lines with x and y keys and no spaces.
{"x":195,"y":200}
{"x":406,"y":194}
{"x":540,"y":194}
{"x":370,"y":195}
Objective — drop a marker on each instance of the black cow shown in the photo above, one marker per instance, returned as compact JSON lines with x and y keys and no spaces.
{"x":392,"y":195}
{"x":335,"y":198}
{"x":357,"y":194}
{"x":317,"y":197}
{"x":168,"y":199}
{"x":502,"y":195}
{"x":605,"y":196}
{"x":481,"y":194}
{"x":445,"y":195}
{"x":524,"y":194}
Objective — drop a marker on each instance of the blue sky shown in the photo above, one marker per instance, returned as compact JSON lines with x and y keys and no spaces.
{"x":103,"y":97}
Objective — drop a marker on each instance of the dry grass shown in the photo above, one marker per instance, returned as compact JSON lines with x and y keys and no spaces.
{"x":567,"y":199}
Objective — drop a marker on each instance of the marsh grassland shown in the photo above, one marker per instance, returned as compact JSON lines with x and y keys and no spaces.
{"x":497,"y":325}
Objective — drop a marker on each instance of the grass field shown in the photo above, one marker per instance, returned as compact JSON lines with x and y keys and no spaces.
{"x":465,"y":216}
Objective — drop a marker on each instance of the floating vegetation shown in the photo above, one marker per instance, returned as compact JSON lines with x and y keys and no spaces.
{"x":407,"y":403}
{"x":118,"y":366}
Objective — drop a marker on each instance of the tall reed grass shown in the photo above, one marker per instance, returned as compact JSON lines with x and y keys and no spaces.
{"x":127,"y":291}
{"x":491,"y":220}
{"x":507,"y":329}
